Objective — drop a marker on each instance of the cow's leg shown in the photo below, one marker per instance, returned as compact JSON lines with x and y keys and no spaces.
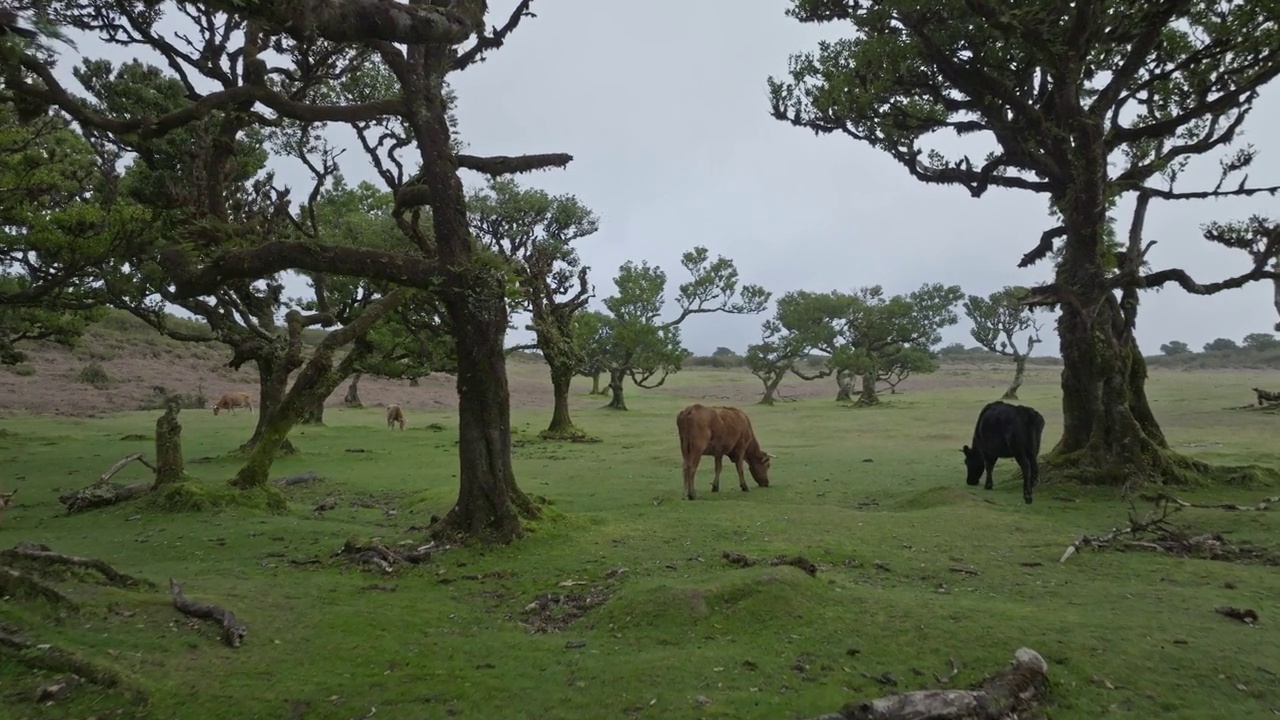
{"x":690,"y":473}
{"x":991,"y":465}
{"x":1028,"y":478}
{"x":742,"y":479}
{"x":715,"y":484}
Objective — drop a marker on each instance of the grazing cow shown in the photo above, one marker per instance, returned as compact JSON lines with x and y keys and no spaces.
{"x":6,"y":499}
{"x":1005,"y":431}
{"x":231,"y":401}
{"x":395,"y":415}
{"x":717,"y":432}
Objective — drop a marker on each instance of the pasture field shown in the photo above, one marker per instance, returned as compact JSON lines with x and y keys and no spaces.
{"x":876,"y":497}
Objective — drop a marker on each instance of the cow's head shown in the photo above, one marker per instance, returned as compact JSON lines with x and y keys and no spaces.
{"x":216,"y":408}
{"x":973,"y":463}
{"x":758,"y":463}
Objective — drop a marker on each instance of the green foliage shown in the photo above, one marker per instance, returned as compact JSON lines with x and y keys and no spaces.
{"x":534,"y":232}
{"x":1175,"y":347}
{"x":1260,"y":341}
{"x":778,"y":353}
{"x":867,"y":333}
{"x":94,"y":374}
{"x":1221,"y":345}
{"x":999,"y":318}
{"x":640,"y":346}
{"x":591,"y":339}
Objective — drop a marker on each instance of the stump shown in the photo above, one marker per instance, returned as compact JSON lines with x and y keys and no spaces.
{"x":169,"y":464}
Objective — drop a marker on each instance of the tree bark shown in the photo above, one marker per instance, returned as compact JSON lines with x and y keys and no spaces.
{"x":352,"y":398}
{"x":318,"y":378}
{"x":1019,"y":370}
{"x":595,"y":384}
{"x":169,"y":464}
{"x":561,"y":380}
{"x":314,"y":413}
{"x":1109,"y":436}
{"x":615,"y":387}
{"x":771,"y":389}
{"x":273,"y":382}
{"x":844,"y":383}
{"x":868,"y":395}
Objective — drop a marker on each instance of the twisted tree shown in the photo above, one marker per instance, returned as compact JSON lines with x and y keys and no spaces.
{"x":1057,"y":90}
{"x":534,"y":232}
{"x":997,"y":320}
{"x":379,"y":68}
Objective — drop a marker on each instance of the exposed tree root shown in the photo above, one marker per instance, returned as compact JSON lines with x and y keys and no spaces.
{"x":1010,"y":694}
{"x":380,"y":556}
{"x":741,"y":560}
{"x":1155,"y":533}
{"x":17,"y":584}
{"x":232,"y":630}
{"x":1155,"y":467}
{"x":43,"y":656}
{"x":42,"y":557}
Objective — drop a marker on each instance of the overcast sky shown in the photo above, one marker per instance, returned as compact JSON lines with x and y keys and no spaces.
{"x":664,"y":107}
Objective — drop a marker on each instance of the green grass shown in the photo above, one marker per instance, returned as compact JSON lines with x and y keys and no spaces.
{"x":1126,"y":634}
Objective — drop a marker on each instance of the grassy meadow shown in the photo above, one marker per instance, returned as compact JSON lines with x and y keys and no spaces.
{"x":876,"y":497}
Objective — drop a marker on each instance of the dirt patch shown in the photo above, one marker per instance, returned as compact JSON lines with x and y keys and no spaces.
{"x":553,"y":612}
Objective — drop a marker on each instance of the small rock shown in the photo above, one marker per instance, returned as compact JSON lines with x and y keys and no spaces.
{"x":881,"y":565}
{"x":575,"y":644}
{"x":702,"y":700}
{"x":614,"y":572}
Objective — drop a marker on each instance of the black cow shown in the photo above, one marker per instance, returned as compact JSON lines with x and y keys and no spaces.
{"x":1005,"y":431}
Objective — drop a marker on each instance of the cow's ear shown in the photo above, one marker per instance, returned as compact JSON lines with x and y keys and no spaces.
{"x":965,"y":449}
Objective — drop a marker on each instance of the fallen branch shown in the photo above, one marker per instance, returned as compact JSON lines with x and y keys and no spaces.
{"x":111,"y":471}
{"x":1266,"y":396}
{"x":386,"y":559}
{"x":1244,"y":615}
{"x":740,"y":560}
{"x":104,"y":493}
{"x":946,"y":679}
{"x":15,"y":584}
{"x":1264,"y":505}
{"x":1010,"y":693}
{"x":38,"y":554}
{"x":232,"y":630}
{"x":1154,"y":533}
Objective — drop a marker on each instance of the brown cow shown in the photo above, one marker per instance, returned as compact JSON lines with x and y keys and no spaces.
{"x":6,"y":499}
{"x":231,"y":401}
{"x":395,"y":415}
{"x":720,"y":431}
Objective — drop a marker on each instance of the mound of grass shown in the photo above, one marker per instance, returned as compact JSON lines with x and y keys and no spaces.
{"x":192,"y":497}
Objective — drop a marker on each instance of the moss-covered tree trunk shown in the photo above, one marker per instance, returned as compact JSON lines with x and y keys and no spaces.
{"x":844,"y":386}
{"x":617,"y":401}
{"x":868,"y":396}
{"x":169,"y":464}
{"x":1019,"y":371}
{"x":561,"y":380}
{"x":1109,"y":435}
{"x":489,"y":505}
{"x":314,"y":413}
{"x":595,"y":384}
{"x":771,"y":383}
{"x":273,"y":383}
{"x":352,"y":398}
{"x":318,"y":378}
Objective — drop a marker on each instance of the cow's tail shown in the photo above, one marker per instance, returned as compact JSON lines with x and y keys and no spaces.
{"x":686,"y":437}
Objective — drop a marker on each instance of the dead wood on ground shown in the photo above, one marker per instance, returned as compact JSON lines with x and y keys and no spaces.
{"x":1266,"y":396}
{"x":232,"y":630}
{"x":104,"y":493}
{"x":43,"y":557}
{"x":1264,"y":505}
{"x":387,"y":559}
{"x":1244,"y":615}
{"x":1014,"y":692}
{"x":1155,"y":533}
{"x":741,"y":560}
{"x":299,"y":479}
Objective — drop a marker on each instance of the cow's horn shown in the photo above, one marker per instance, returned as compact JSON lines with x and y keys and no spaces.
{"x":771,"y":455}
